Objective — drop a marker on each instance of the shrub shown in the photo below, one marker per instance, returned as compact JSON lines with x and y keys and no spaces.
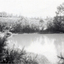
{"x":2,"y":48}
{"x":16,"y":28}
{"x":13,"y":56}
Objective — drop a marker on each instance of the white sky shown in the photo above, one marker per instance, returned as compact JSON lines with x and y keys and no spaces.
{"x":30,"y":8}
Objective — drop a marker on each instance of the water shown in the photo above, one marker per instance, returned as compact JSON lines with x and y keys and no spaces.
{"x":49,"y":45}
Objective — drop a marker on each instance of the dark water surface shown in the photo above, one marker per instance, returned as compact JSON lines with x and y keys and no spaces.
{"x":49,"y":45}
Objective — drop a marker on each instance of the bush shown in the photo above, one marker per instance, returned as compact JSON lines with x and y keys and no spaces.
{"x":13,"y":56}
{"x":16,"y":28}
{"x":2,"y":47}
{"x":7,"y":55}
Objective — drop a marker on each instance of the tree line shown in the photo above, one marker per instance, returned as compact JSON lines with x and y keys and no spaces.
{"x":25,"y":25}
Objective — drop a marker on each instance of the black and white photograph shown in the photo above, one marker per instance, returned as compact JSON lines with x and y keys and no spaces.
{"x":31,"y":31}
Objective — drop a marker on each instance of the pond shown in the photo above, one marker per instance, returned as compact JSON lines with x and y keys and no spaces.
{"x":49,"y":45}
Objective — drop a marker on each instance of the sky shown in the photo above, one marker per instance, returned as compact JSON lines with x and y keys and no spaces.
{"x":30,"y":8}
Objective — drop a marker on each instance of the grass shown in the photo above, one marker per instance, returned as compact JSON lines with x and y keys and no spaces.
{"x":13,"y":56}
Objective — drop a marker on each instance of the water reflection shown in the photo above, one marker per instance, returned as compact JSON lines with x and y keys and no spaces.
{"x":45,"y":47}
{"x":49,"y":45}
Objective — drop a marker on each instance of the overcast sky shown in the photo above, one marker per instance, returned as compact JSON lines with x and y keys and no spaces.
{"x":30,"y":8}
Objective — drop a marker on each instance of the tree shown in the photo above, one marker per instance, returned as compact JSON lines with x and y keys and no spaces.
{"x":60,"y":10}
{"x":59,"y":19}
{"x":49,"y":25}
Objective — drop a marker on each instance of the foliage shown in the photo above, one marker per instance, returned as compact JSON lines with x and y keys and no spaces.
{"x":57,"y":26}
{"x":59,"y":19}
{"x":22,"y":25}
{"x":60,"y":10}
{"x":2,"y":48}
{"x":13,"y":56}
{"x":16,"y":28}
{"x":49,"y":25}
